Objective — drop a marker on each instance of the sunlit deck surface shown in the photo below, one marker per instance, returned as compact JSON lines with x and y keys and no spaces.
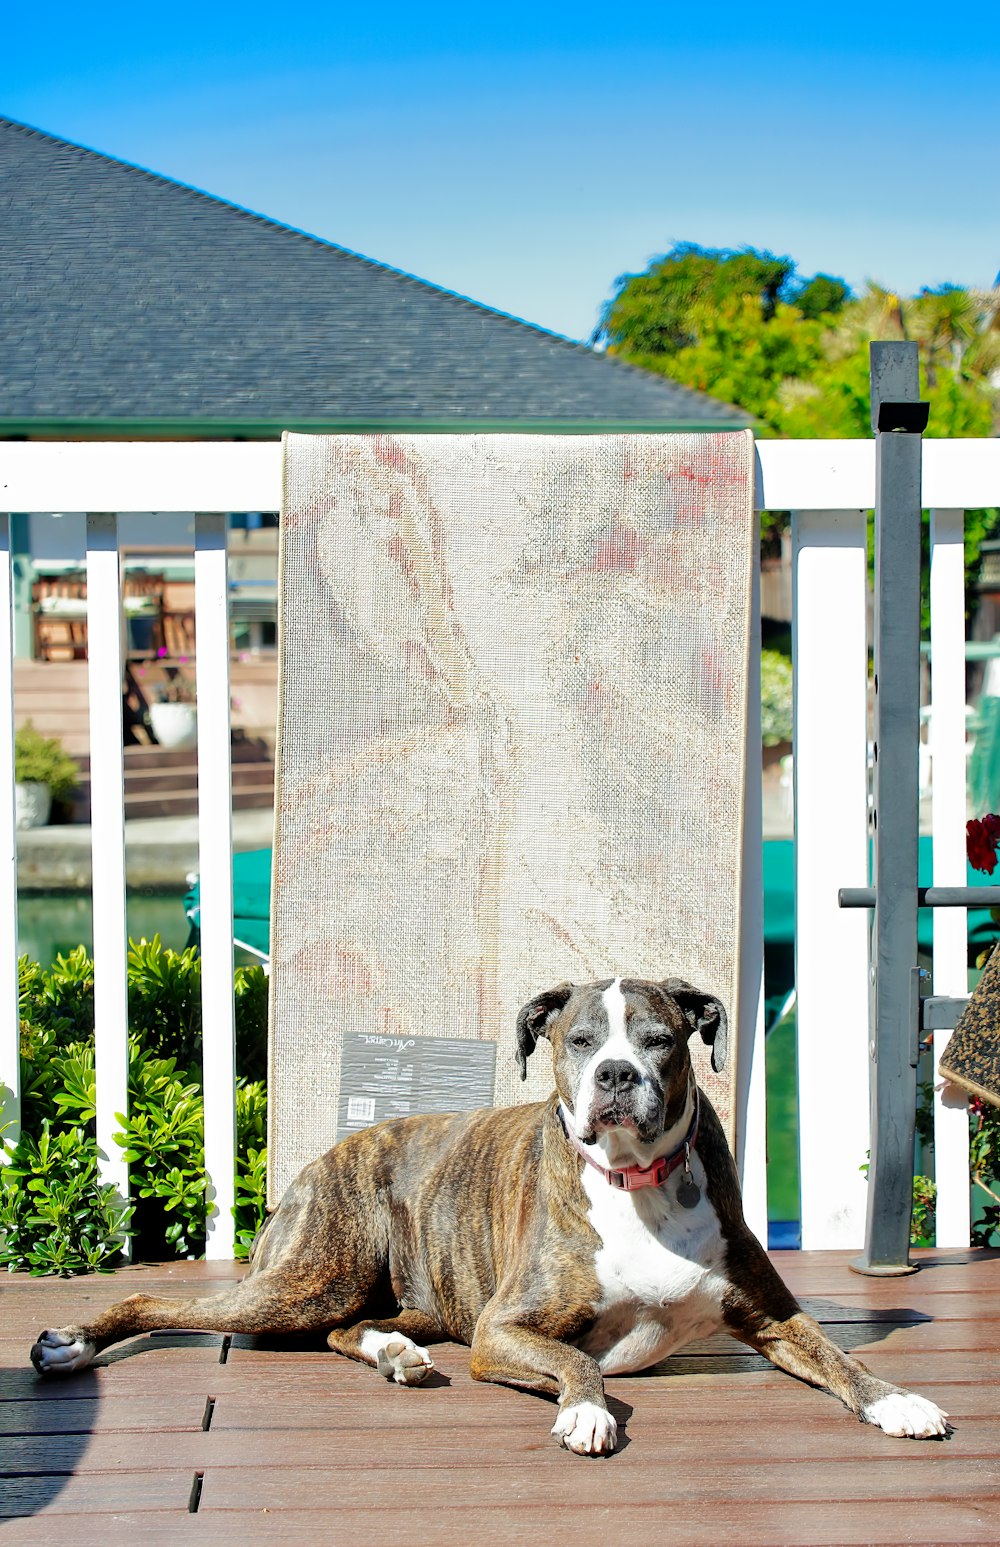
{"x":195,"y":1438}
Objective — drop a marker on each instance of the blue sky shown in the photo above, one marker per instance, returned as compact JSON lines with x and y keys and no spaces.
{"x":527,"y":155}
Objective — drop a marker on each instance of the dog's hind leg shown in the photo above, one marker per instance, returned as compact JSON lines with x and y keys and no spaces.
{"x":318,"y":1262}
{"x":799,"y":1345}
{"x":391,"y":1344}
{"x":275,"y":1300}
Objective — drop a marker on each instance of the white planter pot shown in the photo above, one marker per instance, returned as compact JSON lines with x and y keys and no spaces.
{"x":32,"y":804}
{"x":174,"y":725}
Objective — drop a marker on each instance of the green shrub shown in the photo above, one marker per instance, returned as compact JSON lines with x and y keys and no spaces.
{"x":251,"y":1163}
{"x":250,"y":988}
{"x":164,"y":1006}
{"x":164,"y":1142}
{"x":56,"y":1011}
{"x":44,"y":760}
{"x":56,"y":1216}
{"x":775,"y":697}
{"x":922,"y":1225}
{"x":164,"y":999}
{"x":984,"y":1163}
{"x":61,"y":998}
{"x":163,"y":1136}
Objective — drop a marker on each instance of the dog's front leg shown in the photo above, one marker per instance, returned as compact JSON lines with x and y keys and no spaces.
{"x":799,"y":1345}
{"x":512,"y":1354}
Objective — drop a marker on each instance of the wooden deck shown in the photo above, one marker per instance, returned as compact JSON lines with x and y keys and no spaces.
{"x":190,"y":1438}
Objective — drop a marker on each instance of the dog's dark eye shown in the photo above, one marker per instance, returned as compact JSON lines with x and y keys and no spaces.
{"x":660,"y":1040}
{"x":580,"y":1039}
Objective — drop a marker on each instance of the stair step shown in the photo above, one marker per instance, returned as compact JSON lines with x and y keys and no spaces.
{"x":138,"y":759}
{"x":160,"y":757}
{"x":139,"y":781}
{"x":177,"y":776}
{"x":147,"y":793}
{"x":248,"y":776}
{"x":155,"y":757}
{"x":183,"y":804}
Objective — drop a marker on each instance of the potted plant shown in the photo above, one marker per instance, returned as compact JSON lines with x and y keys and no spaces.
{"x":173,"y":715}
{"x":43,"y":772}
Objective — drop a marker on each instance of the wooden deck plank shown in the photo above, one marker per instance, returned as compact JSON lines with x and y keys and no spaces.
{"x":96,"y":1493}
{"x":812,"y":1525}
{"x":129,"y":1528}
{"x":868,"y":1336}
{"x":133,"y":1414}
{"x":530,"y":1484}
{"x":782,"y":1400}
{"x":341,"y":1451}
{"x":947,"y":1272}
{"x":909,"y":1305}
{"x":745,"y":1524}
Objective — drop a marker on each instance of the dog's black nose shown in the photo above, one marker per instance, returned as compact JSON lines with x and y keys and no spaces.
{"x":615,"y":1074}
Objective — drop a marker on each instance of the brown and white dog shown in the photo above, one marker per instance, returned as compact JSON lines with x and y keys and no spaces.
{"x":588,"y":1235}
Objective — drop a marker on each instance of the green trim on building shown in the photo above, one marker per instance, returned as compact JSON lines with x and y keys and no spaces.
{"x":272,"y":429}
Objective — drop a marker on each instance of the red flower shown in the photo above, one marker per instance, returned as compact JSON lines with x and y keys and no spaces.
{"x":981,"y":841}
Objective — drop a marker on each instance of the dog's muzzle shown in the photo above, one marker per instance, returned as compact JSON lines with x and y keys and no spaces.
{"x":622,"y":1099}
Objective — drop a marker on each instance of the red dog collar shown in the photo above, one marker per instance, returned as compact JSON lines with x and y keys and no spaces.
{"x":631,"y":1178}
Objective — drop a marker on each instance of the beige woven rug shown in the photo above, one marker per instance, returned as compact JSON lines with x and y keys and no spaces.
{"x":511,"y":752}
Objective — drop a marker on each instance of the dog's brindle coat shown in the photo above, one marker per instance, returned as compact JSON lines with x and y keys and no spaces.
{"x":490,"y":1228}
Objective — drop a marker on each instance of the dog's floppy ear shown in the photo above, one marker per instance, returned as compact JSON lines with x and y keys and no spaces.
{"x":533,"y":1019}
{"x":705,"y":1014}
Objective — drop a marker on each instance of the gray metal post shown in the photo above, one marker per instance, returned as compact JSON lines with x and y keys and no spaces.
{"x":898,"y":418}
{"x":20,"y":549}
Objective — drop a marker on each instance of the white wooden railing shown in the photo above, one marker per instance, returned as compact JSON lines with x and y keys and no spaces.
{"x":828,"y":486}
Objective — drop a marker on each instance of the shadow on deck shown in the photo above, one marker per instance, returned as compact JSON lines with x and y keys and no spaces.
{"x":177,"y":1438}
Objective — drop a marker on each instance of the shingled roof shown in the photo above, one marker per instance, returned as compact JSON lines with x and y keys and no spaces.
{"x":132,"y":303}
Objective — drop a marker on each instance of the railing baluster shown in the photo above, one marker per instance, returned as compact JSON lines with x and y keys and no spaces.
{"x":947,"y":733}
{"x":107,"y":776}
{"x":215,"y":851}
{"x":830,"y":659}
{"x":10,"y":1026}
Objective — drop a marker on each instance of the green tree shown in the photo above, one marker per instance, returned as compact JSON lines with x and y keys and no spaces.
{"x":741,"y":325}
{"x":820,"y":296}
{"x":736,"y":324}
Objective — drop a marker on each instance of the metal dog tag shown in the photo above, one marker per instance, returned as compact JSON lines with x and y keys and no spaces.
{"x":688,"y":1193}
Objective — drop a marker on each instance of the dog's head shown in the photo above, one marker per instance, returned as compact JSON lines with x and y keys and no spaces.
{"x":620,"y":1050}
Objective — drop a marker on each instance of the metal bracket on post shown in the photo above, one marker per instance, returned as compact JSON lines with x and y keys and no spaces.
{"x":898,"y":419}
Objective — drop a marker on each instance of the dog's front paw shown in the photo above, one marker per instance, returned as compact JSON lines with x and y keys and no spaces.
{"x":62,"y":1351}
{"x":586,"y":1429}
{"x":905,"y":1415}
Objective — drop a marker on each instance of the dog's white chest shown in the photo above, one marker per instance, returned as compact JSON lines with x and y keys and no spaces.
{"x":661,"y":1272}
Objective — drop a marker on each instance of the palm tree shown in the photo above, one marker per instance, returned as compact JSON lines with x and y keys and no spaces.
{"x":944,"y":323}
{"x":983,"y":358}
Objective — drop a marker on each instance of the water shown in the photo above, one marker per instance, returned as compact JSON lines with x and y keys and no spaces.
{"x":52,"y":922}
